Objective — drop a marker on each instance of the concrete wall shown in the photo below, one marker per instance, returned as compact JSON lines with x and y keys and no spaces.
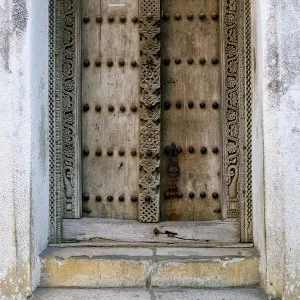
{"x":23,"y":136}
{"x":278,"y":94}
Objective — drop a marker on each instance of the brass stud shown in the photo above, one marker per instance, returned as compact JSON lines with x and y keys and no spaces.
{"x":86,"y":20}
{"x":190,"y":104}
{"x":215,"y":60}
{"x":134,"y":198}
{"x":121,"y":62}
{"x":133,"y":108}
{"x":98,"y":152}
{"x":214,"y":16}
{"x":191,"y":195}
{"x":190,"y":16}
{"x":111,"y":108}
{"x":179,"y":150}
{"x":122,"y":108}
{"x":149,"y":153}
{"x":110,"y":198}
{"x":110,"y":62}
{"x":178,"y":104}
{"x":98,"y":198}
{"x":190,"y":61}
{"x":133,"y":152}
{"x":216,"y":150}
{"x":134,"y":19}
{"x":166,"y":16}
{"x":133,"y":63}
{"x":202,"y":105}
{"x":98,"y":19}
{"x":148,"y":198}
{"x":202,"y":16}
{"x":86,"y":151}
{"x":167,"y":105}
{"x":122,"y":19}
{"x":121,"y":152}
{"x":110,"y":152}
{"x":177,"y":16}
{"x":203,"y":150}
{"x":111,"y":19}
{"x":202,"y":194}
{"x":177,"y":61}
{"x":86,"y":196}
{"x":86,"y":62}
{"x":98,"y":108}
{"x":215,"y":195}
{"x":202,"y":61}
{"x":86,"y":107}
{"x":98,"y":62}
{"x":215,"y":105}
{"x":191,"y":149}
{"x":121,"y":198}
{"x":166,"y":61}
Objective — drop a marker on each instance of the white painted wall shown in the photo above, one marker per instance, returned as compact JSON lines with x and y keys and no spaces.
{"x":23,"y":136}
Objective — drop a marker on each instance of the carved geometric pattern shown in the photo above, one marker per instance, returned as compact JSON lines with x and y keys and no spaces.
{"x":150,"y":111}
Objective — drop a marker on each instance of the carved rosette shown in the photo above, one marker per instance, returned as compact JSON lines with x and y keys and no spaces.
{"x":150,"y":111}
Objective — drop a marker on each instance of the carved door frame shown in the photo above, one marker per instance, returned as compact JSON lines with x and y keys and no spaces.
{"x":65,"y":112}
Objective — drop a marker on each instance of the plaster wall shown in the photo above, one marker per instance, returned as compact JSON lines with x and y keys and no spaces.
{"x":23,"y":136}
{"x":278,"y":93}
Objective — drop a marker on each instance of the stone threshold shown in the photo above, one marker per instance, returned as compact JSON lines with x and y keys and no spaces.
{"x":150,"y":294}
{"x":164,"y":267}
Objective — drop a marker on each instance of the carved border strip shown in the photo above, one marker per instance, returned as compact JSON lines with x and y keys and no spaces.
{"x":150,"y":110}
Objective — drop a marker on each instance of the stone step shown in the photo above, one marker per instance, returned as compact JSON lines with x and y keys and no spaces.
{"x":151,"y":294}
{"x":109,"y":267}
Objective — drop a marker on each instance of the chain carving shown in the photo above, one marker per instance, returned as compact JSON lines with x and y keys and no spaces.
{"x":150,"y":111}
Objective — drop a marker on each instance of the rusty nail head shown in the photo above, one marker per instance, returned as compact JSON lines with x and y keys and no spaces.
{"x":177,"y":16}
{"x":122,"y":108}
{"x":134,"y":198}
{"x":191,"y":149}
{"x":167,"y":105}
{"x":121,"y":62}
{"x":191,"y":195}
{"x":202,"y":194}
{"x":98,"y":108}
{"x":178,"y":104}
{"x":110,"y":198}
{"x":202,"y":16}
{"x":98,"y":62}
{"x":215,"y":105}
{"x":203,"y":150}
{"x":133,"y":63}
{"x":86,"y":107}
{"x":133,"y":108}
{"x":190,"y":61}
{"x":179,"y":150}
{"x":122,"y":19}
{"x":202,"y":60}
{"x":99,"y":19}
{"x":215,"y":60}
{"x":98,"y":198}
{"x":86,"y":151}
{"x":202,"y":105}
{"x":134,"y":19}
{"x":110,"y":62}
{"x":121,"y":198}
{"x":121,"y":152}
{"x":148,"y":198}
{"x":133,"y":152}
{"x":214,"y":16}
{"x":86,"y":20}
{"x":215,"y":150}
{"x":86,"y":62}
{"x":98,"y":152}
{"x":110,"y":152}
{"x":86,"y":196}
{"x":177,"y":60}
{"x":191,"y":104}
{"x":190,"y":16}
{"x":111,"y":108}
{"x":111,"y":19}
{"x":215,"y":195}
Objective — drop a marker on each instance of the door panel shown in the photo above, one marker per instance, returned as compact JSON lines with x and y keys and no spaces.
{"x":110,"y":117}
{"x":191,"y":116}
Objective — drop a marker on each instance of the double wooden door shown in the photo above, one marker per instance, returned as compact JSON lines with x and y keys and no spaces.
{"x":151,"y":110}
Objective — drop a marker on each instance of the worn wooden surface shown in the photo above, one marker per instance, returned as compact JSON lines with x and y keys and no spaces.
{"x":110,"y":175}
{"x":194,"y":127}
{"x":105,"y":230}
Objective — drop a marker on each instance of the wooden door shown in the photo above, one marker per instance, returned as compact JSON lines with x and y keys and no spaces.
{"x":189,"y":111}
